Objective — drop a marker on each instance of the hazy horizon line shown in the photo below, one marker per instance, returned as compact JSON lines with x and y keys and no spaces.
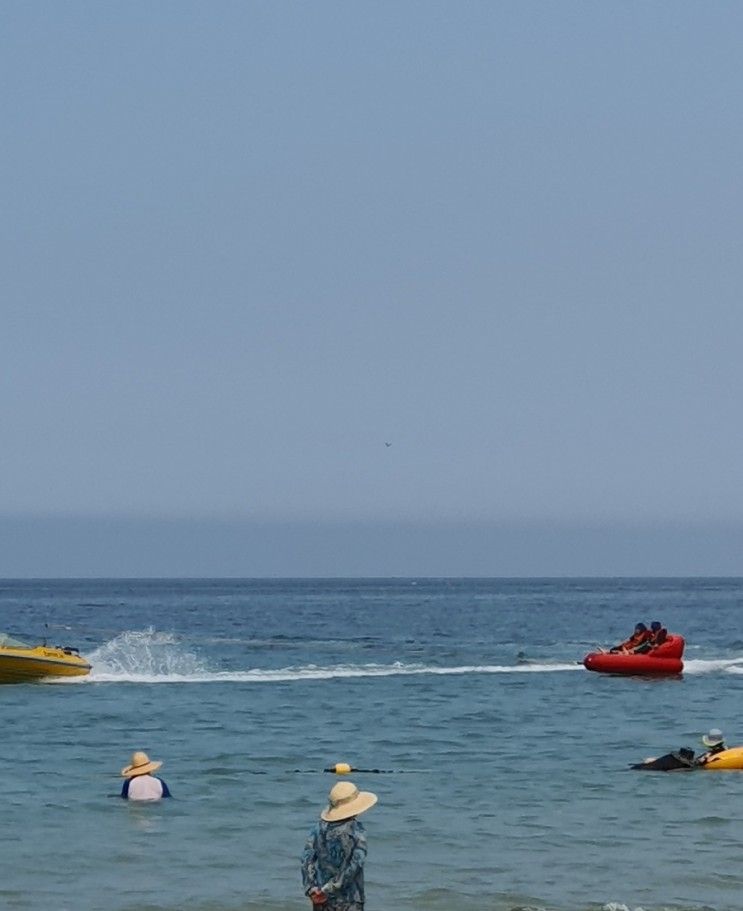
{"x":116,"y":547}
{"x":373,"y":521}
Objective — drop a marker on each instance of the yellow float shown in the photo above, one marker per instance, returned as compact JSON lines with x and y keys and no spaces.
{"x":725,"y":761}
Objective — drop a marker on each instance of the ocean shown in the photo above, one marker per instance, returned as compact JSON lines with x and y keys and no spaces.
{"x":503,"y":783}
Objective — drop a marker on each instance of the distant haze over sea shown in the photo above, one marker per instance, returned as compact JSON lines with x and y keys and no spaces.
{"x":70,"y":547}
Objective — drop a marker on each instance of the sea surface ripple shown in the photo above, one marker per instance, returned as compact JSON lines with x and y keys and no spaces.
{"x":506,"y":783}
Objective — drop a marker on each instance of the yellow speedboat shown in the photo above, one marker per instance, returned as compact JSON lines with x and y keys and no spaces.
{"x":20,"y":663}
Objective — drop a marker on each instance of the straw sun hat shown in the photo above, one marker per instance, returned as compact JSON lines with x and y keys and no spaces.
{"x":345,"y":800}
{"x":713,"y":738}
{"x":141,"y":765}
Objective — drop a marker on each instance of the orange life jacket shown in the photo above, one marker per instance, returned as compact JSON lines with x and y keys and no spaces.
{"x":636,"y":639}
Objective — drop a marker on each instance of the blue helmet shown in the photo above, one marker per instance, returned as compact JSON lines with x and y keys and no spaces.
{"x":655,"y":626}
{"x":640,"y":628}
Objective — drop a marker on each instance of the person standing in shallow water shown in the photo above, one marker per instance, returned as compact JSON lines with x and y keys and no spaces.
{"x":335,"y":852}
{"x":140,"y":783}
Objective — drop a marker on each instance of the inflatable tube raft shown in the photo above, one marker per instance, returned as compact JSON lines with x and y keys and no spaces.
{"x":665,"y":660}
{"x":726,"y":761}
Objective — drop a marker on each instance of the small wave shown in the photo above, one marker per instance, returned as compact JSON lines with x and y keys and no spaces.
{"x":292,"y":642}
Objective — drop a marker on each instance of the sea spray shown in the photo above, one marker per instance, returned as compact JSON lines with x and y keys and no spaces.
{"x":145,"y":654}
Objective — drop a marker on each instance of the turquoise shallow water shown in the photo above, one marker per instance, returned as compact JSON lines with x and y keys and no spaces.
{"x":509,"y":785}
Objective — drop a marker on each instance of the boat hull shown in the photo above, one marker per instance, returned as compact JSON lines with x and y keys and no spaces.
{"x":662,"y":661}
{"x":19,"y":665}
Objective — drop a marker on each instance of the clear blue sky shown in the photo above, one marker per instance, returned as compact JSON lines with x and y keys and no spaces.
{"x":247,"y":244}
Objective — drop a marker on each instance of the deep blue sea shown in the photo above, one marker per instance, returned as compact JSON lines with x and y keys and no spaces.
{"x":506,"y":781}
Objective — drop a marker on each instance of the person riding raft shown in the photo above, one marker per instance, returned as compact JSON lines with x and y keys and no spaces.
{"x":684,"y":759}
{"x":658,"y":635}
{"x":639,"y":637}
{"x":715,"y":743}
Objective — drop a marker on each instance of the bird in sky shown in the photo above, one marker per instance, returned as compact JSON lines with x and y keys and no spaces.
{"x":386,"y":443}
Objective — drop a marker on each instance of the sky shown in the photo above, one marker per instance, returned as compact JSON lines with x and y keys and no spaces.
{"x":410,"y":288}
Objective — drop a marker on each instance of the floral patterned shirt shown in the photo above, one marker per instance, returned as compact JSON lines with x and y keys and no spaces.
{"x":333,"y":861}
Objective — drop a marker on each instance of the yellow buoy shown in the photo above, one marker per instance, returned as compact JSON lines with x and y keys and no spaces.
{"x":342,"y":768}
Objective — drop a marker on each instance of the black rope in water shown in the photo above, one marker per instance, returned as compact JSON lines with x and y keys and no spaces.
{"x":343,"y":768}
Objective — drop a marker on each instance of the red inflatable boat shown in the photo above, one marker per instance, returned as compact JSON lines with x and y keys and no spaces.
{"x":665,"y":659}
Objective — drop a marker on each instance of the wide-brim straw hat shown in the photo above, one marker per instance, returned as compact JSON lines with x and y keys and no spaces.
{"x":713,"y":739}
{"x":345,"y":800}
{"x":141,"y":764}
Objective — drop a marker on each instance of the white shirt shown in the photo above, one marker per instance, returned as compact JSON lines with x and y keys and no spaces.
{"x":145,"y":787}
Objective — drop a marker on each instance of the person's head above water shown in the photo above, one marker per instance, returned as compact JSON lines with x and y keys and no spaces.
{"x":345,"y":800}
{"x":713,"y":739}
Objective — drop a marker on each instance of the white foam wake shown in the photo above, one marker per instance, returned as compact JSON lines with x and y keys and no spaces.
{"x":310,"y":672}
{"x":148,"y":656}
{"x":144,"y":655}
{"x":710,"y":666}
